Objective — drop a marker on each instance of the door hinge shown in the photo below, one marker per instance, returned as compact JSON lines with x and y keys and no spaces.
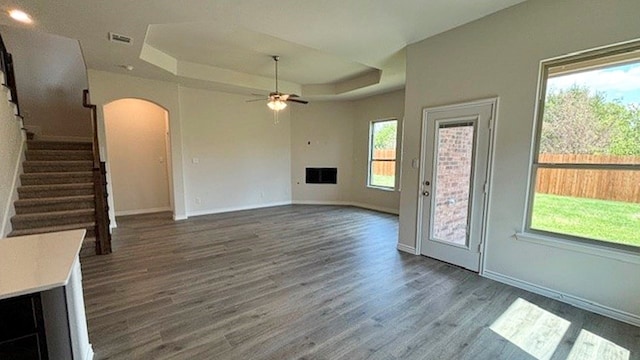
{"x":484,"y":188}
{"x":479,"y":247}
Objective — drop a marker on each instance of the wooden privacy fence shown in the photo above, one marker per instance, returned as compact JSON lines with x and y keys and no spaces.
{"x":616,"y":185}
{"x":386,"y":168}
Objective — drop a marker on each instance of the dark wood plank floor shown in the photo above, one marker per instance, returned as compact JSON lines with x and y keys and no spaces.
{"x":299,"y":282}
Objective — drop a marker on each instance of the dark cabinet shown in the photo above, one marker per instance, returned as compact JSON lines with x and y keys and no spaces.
{"x":22,"y":334}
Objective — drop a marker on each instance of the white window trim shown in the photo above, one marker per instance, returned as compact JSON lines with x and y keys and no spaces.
{"x":395,"y":186}
{"x":627,"y":253}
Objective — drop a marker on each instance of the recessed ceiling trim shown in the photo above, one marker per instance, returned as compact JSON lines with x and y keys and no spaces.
{"x":158,"y":58}
{"x":368,"y":79}
{"x":234,"y":78}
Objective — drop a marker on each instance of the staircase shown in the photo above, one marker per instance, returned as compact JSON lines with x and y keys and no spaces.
{"x":57,"y":189}
{"x":64,"y":185}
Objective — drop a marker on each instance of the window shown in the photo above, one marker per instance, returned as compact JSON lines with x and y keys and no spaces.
{"x":382,"y":153}
{"x":585,"y":182}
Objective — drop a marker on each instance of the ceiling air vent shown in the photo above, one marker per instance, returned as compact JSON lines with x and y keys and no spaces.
{"x":117,"y":38}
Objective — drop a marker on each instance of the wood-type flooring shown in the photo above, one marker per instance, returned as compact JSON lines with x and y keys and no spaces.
{"x":316,"y":282}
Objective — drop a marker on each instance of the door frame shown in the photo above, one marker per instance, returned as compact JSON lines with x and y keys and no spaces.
{"x":494,"y":101}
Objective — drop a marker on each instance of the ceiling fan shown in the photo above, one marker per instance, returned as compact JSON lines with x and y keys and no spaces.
{"x":278,"y":101}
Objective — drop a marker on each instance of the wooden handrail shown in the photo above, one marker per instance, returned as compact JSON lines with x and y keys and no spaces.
{"x":6,"y":65}
{"x":103,"y":234}
{"x":86,"y":102}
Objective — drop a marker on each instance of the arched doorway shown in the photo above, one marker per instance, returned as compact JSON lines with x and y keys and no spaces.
{"x":137,"y":134}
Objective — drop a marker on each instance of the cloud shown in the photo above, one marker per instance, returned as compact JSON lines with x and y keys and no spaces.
{"x":621,"y":82}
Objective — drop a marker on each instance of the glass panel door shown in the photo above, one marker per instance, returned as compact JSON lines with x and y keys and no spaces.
{"x":452,"y":187}
{"x":456,"y":146}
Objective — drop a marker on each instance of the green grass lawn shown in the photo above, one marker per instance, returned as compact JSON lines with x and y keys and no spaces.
{"x":383,"y":180}
{"x":612,"y":221}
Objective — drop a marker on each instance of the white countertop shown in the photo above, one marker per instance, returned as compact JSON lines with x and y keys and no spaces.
{"x":34,"y":263}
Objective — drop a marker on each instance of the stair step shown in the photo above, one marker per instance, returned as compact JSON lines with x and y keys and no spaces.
{"x":54,"y":190}
{"x":46,"y":178}
{"x":59,"y":155}
{"x":89,"y":226}
{"x":58,"y":145}
{"x":53,"y":218}
{"x":57,"y":166}
{"x":39,"y":205}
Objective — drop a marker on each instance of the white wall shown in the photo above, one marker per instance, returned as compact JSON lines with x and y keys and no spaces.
{"x":385,"y":106}
{"x":243,"y":158}
{"x":11,"y":154}
{"x":499,"y":55}
{"x":322,"y":136}
{"x":106,"y":87}
{"x":50,"y":75}
{"x":136,"y":131}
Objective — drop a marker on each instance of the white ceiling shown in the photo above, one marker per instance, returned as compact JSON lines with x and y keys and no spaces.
{"x":330,"y":49}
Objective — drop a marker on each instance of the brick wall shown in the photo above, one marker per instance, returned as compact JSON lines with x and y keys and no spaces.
{"x":453,"y":176}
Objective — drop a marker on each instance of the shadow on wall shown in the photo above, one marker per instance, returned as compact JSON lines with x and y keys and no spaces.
{"x":138,"y":158}
{"x":50,"y":75}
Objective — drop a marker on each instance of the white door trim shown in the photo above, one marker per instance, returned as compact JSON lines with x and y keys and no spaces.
{"x":423,"y":150}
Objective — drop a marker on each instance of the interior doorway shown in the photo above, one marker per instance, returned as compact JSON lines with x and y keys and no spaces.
{"x":137,"y":133}
{"x":456,"y":145}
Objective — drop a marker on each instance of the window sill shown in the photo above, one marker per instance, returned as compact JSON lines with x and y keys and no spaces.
{"x":381,"y":188}
{"x":596,"y":250}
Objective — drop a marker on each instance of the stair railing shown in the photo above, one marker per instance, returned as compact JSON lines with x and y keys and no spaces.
{"x":103,"y":234}
{"x":6,"y":65}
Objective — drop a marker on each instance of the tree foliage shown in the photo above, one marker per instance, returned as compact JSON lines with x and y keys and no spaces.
{"x":577,"y":121}
{"x":385,"y":135}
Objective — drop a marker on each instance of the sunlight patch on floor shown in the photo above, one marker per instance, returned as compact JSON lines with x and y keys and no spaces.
{"x":590,"y":346}
{"x":531,"y":328}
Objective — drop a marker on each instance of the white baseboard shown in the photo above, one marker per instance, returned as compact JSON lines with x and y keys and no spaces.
{"x":9,"y":208}
{"x":565,"y":298}
{"x":180,"y":217}
{"x":142,"y":211}
{"x":295,"y":202}
{"x":321,"y":202}
{"x":347,"y":203}
{"x":376,"y":208}
{"x":235,"y":208}
{"x":406,"y":248}
{"x":90,"y":354}
{"x":64,"y":138}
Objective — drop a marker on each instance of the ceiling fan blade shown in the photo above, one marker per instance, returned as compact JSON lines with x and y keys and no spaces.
{"x":298,"y":101}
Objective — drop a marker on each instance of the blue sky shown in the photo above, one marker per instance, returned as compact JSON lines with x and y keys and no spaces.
{"x":620,"y":82}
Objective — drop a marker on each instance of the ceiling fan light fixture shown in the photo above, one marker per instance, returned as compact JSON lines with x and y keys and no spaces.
{"x":276,"y":105}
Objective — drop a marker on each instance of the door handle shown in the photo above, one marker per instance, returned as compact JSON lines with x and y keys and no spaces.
{"x":425,"y":193}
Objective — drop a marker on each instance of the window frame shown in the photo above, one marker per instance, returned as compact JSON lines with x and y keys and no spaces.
{"x":370,"y":158}
{"x":572,"y":59}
